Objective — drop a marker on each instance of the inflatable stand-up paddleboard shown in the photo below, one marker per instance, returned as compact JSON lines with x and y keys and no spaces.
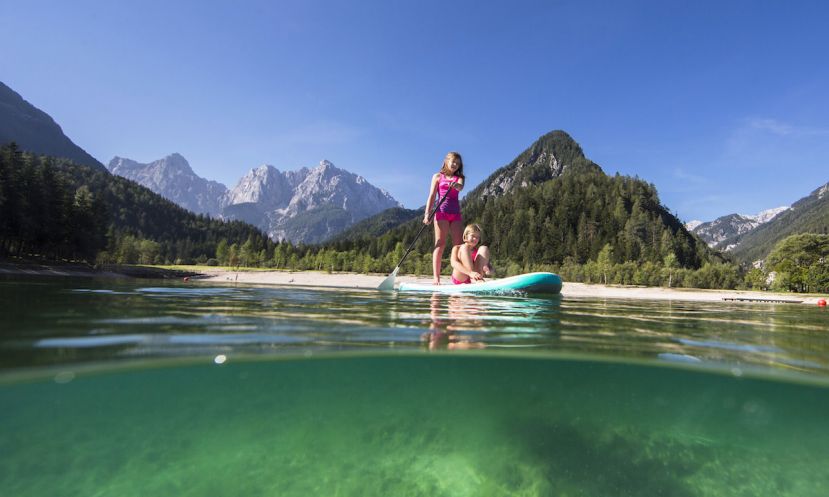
{"x":549,"y":283}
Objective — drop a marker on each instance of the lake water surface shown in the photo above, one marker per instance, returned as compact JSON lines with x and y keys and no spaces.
{"x":123,"y":388}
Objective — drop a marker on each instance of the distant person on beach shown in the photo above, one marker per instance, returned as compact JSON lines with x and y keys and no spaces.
{"x":448,"y":182}
{"x":470,"y":262}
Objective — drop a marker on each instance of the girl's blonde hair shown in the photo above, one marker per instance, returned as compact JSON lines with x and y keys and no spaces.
{"x":445,"y":169}
{"x":473,"y":228}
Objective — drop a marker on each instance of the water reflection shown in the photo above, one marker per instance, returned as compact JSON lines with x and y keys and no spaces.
{"x":452,"y":318}
{"x":70,"y":321}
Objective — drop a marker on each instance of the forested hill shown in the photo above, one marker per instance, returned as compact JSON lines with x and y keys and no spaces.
{"x":581,"y":213}
{"x":808,"y":215}
{"x":546,"y":159}
{"x":552,"y":205}
{"x":35,"y":131}
{"x":56,"y":208}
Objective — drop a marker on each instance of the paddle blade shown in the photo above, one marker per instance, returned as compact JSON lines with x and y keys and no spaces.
{"x":388,"y":284}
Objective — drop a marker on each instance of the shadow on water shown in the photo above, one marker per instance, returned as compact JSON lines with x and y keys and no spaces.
{"x":580,"y":464}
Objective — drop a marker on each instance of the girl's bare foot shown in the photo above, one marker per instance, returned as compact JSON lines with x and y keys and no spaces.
{"x":488,"y":270}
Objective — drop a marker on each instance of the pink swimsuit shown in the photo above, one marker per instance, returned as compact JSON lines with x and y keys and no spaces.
{"x":450,"y":209}
{"x":468,"y":279}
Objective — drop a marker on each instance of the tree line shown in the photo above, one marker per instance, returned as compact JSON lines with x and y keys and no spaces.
{"x":55,"y":209}
{"x":42,"y":213}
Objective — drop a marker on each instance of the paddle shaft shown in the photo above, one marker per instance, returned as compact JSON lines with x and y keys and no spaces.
{"x":431,"y":216}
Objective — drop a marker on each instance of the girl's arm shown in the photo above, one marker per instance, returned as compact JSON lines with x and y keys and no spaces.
{"x":431,"y":200}
{"x":458,"y":183}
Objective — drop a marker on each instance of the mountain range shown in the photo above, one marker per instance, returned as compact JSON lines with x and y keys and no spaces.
{"x":810,"y":214}
{"x":725,"y":232}
{"x":751,"y":238}
{"x":304,"y":206}
{"x":314,"y":204}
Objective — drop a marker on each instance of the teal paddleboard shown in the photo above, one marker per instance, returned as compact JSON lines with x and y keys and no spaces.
{"x":526,"y":283}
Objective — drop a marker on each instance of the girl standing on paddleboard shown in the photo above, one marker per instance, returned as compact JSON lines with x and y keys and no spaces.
{"x":448,"y":182}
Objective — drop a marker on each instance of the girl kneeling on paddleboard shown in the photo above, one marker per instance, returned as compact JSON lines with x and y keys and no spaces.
{"x":469,"y":261}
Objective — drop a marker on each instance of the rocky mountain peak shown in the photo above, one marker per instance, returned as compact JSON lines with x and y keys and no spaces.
{"x":161,"y":170}
{"x":725,"y":231}
{"x":176,"y":162}
{"x":122,"y":164}
{"x":769,"y":214}
{"x":544,"y":160}
{"x":174,"y":179}
{"x":290,"y":205}
{"x":263,"y":172}
{"x":264,"y":185}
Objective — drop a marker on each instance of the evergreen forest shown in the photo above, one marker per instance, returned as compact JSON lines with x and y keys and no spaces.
{"x":54,"y":209}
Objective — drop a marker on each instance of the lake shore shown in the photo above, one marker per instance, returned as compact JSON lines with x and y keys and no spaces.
{"x":78,"y":270}
{"x":574,"y":290}
{"x":371,"y":281}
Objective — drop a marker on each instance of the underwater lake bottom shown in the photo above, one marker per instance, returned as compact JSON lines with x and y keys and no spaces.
{"x":413,"y":425}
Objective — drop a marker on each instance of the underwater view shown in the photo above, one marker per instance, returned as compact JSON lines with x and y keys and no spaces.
{"x":121,"y":388}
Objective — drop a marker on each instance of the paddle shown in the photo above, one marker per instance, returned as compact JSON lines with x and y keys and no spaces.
{"x":388,"y":283}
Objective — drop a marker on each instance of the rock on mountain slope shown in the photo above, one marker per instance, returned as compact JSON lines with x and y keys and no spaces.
{"x":174,"y":179}
{"x":724,"y":232}
{"x":309,"y":205}
{"x":35,"y":131}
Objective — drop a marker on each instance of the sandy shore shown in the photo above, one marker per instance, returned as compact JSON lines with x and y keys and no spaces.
{"x":370,"y":281}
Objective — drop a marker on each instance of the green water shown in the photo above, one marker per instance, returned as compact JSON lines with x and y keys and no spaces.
{"x":114,"y":388}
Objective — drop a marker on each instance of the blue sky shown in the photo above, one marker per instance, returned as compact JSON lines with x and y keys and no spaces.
{"x":723,"y":105}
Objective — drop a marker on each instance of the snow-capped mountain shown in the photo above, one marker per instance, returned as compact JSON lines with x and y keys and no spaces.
{"x":308,"y":205}
{"x":810,"y":214}
{"x":174,"y":179}
{"x":722,"y":232}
